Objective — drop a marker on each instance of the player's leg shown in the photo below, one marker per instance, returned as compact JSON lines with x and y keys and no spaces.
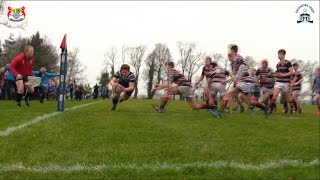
{"x":20,"y":90}
{"x":275,"y":94}
{"x":318,"y":102}
{"x":29,"y":90}
{"x":225,"y":100}
{"x":295,"y":96}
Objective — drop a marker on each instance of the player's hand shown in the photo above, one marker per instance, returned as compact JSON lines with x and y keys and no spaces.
{"x":19,"y":76}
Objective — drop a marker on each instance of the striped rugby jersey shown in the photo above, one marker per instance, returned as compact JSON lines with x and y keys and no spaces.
{"x":236,"y":63}
{"x":178,"y":78}
{"x":268,"y":82}
{"x":218,"y":74}
{"x":206,"y":72}
{"x":284,"y":68}
{"x":125,"y":81}
{"x":298,"y":75}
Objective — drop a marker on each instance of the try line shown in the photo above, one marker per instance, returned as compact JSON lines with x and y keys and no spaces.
{"x":12,"y":129}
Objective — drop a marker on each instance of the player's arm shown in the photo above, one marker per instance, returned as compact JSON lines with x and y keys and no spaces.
{"x":290,"y":73}
{"x":199,"y":80}
{"x":299,"y":82}
{"x":209,"y":81}
{"x":113,"y":82}
{"x":51,"y":75}
{"x":13,"y":66}
{"x":314,"y":85}
{"x":130,"y":88}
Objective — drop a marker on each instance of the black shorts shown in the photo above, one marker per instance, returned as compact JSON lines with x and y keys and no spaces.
{"x":129,"y":93}
{"x":24,"y":79}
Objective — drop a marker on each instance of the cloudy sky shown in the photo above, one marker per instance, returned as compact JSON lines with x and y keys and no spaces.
{"x":259,"y":28}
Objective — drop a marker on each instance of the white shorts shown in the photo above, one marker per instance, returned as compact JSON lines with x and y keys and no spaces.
{"x":267,"y":90}
{"x":245,"y":87}
{"x":216,"y":88}
{"x":283,"y":86}
{"x":186,"y":91}
{"x":296,"y":92}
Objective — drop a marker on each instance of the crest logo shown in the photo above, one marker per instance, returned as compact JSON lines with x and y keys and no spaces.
{"x":304,"y":13}
{"x":16,"y":14}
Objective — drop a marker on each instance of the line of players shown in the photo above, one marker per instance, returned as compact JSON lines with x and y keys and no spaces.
{"x":247,"y":84}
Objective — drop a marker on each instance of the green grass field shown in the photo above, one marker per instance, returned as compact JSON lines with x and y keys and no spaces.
{"x":135,"y":142}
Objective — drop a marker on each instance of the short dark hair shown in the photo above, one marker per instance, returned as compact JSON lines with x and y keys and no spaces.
{"x":208,"y":57}
{"x":125,"y":66}
{"x":295,"y":64}
{"x":234,"y":48}
{"x":171,"y":64}
{"x":282,"y":51}
{"x":214,"y":64}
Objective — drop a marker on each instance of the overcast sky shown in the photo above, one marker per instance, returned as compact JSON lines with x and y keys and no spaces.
{"x":259,"y":28}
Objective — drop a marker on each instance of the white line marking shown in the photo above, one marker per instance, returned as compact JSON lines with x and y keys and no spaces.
{"x":158,"y":166}
{"x":12,"y":129}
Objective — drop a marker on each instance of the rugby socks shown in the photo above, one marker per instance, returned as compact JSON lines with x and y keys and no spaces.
{"x":114,"y":103}
{"x":164,"y":101}
{"x":18,"y":97}
{"x":294,"y":102}
{"x":258,"y":105}
{"x":223,"y":105}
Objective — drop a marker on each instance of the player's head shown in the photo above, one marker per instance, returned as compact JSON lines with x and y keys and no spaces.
{"x":125,"y":70}
{"x":43,"y":69}
{"x":253,"y":72}
{"x":207,"y":60}
{"x":295,"y":66}
{"x":281,"y":54}
{"x":264,"y":63}
{"x":29,"y":51}
{"x":232,"y":51}
{"x":169,"y":65}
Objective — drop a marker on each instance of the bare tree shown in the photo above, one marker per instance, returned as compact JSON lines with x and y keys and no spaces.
{"x":136,"y":55}
{"x":123,"y":53}
{"x":75,"y":68}
{"x":217,"y":57}
{"x":190,"y":59}
{"x":308,"y":70}
{"x":250,"y":62}
{"x":112,"y":56}
{"x":155,"y":63}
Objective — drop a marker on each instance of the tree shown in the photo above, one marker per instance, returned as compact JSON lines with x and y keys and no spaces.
{"x":155,"y":63}
{"x":75,"y":68}
{"x":190,"y":59}
{"x":104,"y":77}
{"x":123,"y":53}
{"x":308,"y":70}
{"x":44,"y":52}
{"x":250,"y":62}
{"x":112,"y":56}
{"x":136,"y":55}
{"x":11,"y":48}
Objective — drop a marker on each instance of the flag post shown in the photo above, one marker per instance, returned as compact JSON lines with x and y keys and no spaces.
{"x":63,"y":74}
